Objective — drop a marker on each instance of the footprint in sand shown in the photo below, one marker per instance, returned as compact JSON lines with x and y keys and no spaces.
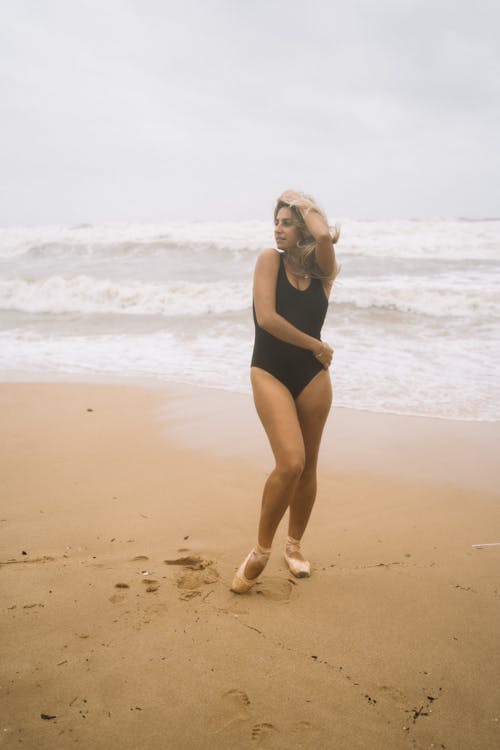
{"x":234,"y":609}
{"x":189,"y":594}
{"x":305,"y":731}
{"x":197,"y":572}
{"x":195,"y":579}
{"x":263,"y":734}
{"x":158,"y":608}
{"x":235,"y":706}
{"x":117,"y":598}
{"x":276,"y":589}
{"x":194,"y":562}
{"x":393,"y":693}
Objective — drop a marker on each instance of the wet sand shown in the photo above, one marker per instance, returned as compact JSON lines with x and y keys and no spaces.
{"x":125,"y":511}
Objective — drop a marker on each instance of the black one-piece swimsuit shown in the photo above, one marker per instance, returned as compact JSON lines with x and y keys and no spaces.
{"x":306,"y":310}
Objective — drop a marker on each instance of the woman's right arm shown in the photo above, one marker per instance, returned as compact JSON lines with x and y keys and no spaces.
{"x":264,"y":294}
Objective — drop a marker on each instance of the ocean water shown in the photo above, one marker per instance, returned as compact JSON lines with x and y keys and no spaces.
{"x":414,"y":316}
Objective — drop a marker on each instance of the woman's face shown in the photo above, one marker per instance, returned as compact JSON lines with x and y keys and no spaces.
{"x":285,"y":231}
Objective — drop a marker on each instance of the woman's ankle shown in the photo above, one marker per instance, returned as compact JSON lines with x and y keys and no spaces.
{"x":292,"y":547}
{"x":263,"y":550}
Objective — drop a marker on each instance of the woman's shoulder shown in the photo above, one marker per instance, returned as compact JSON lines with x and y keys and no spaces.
{"x":270,"y":252}
{"x":268,"y":263}
{"x":269,"y":258}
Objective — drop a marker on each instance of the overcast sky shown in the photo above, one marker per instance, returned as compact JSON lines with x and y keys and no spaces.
{"x":158,"y":110}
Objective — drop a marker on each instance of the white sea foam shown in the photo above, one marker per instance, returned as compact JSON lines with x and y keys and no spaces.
{"x":379,"y":375}
{"x":87,"y":295}
{"x":449,"y":295}
{"x":437,"y":239}
{"x":121,"y":240}
{"x":414,"y":317}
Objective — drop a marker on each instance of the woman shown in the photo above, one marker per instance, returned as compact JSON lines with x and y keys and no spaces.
{"x":289,"y":374}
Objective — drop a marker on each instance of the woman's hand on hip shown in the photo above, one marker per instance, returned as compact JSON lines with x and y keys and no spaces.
{"x":324,"y":354}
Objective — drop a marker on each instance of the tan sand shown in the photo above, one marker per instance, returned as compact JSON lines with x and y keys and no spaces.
{"x":392,"y":643}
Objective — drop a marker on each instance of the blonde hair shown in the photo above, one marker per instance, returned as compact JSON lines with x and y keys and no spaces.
{"x":303,"y":259}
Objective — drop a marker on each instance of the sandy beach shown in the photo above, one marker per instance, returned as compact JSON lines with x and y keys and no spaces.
{"x":125,"y":511}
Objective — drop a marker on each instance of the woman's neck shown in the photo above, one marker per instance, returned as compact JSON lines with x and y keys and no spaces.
{"x":293,"y":266}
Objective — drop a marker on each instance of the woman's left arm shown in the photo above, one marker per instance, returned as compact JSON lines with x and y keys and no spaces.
{"x":319,"y":229}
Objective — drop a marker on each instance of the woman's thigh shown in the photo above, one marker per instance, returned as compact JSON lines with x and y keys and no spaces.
{"x":313,"y":406}
{"x":278,"y":414}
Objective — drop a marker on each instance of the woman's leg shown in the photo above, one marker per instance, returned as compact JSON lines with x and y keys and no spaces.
{"x":313,"y":406}
{"x":278,"y":414}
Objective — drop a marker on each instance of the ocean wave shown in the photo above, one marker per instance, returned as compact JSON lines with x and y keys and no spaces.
{"x":87,"y":295}
{"x":450,"y":296}
{"x":438,"y":239}
{"x":140,"y":249}
{"x":106,"y":241}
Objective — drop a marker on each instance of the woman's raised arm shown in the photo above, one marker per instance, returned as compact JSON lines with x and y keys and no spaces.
{"x":318,"y":227}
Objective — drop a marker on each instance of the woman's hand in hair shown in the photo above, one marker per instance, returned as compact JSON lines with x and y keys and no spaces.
{"x":317,"y":225}
{"x":294,"y":198}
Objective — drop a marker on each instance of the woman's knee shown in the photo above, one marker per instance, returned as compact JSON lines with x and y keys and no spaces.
{"x":308,"y":485}
{"x":291,"y":466}
{"x":309,"y":473}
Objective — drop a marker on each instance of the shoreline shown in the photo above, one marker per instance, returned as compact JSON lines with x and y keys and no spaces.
{"x":387,"y":431}
{"x":388,"y":644}
{"x":155,"y":383}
